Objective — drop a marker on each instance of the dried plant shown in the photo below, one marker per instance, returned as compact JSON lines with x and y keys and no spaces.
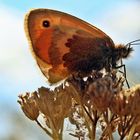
{"x":98,"y":102}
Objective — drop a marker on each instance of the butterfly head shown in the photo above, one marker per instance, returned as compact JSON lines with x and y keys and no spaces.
{"x":122,"y":51}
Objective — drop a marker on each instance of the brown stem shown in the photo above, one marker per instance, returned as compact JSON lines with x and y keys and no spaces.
{"x":94,"y":128}
{"x":57,"y":136}
{"x":48,"y":133}
{"x":127,"y":125}
{"x":88,"y":114}
{"x":130,"y":125}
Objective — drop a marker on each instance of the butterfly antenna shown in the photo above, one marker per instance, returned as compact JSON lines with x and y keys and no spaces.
{"x":135,"y":42}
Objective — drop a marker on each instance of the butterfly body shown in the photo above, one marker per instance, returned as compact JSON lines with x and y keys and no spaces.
{"x":63,"y":44}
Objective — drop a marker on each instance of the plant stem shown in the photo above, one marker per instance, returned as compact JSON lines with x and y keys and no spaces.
{"x":44,"y":128}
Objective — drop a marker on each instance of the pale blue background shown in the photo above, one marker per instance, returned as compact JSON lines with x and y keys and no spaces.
{"x":120,"y":19}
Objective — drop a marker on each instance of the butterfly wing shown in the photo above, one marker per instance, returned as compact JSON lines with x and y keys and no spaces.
{"x":50,"y":32}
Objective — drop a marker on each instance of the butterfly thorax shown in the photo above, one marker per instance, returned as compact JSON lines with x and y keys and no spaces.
{"x":120,"y":52}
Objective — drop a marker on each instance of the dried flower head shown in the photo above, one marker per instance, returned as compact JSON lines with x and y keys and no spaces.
{"x":134,"y":100}
{"x":101,"y":93}
{"x":29,"y":106}
{"x":120,"y":104}
{"x":127,"y":102}
{"x":55,"y":105}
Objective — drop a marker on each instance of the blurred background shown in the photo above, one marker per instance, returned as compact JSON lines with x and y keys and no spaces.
{"x":18,"y":71}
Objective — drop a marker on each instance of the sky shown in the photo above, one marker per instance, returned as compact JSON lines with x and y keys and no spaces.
{"x":18,"y":70}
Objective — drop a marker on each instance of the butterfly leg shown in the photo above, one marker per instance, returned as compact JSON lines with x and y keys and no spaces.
{"x":124,"y":72}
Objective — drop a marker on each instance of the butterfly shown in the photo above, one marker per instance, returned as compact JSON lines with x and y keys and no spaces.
{"x":63,"y":44}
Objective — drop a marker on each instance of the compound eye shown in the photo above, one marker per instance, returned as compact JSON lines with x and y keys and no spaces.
{"x":46,"y":23}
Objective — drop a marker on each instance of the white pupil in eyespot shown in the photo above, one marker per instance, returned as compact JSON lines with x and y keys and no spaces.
{"x":46,"y":23}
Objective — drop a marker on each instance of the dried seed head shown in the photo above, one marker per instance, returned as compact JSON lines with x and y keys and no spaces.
{"x":55,"y":105}
{"x":134,"y":100}
{"x":101,"y":93}
{"x":29,"y":106}
{"x":44,"y":99}
{"x":127,"y":102}
{"x":120,"y":105}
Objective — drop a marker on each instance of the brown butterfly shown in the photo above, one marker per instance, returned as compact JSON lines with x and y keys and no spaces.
{"x":63,"y":44}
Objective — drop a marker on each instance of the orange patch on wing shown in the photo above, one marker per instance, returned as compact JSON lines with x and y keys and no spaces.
{"x":42,"y":45}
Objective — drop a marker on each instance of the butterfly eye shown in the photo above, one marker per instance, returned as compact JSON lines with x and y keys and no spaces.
{"x":46,"y":23}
